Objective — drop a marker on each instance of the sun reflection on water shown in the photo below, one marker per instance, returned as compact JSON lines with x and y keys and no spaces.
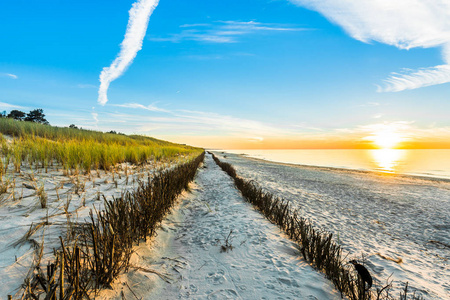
{"x":388,"y":160}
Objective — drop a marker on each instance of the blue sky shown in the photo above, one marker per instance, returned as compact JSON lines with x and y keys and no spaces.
{"x":229,"y":74}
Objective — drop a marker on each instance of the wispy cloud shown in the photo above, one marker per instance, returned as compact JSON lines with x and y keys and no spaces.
{"x":222,"y":31}
{"x":404,"y":24}
{"x":95,"y":117}
{"x":377,"y":116}
{"x":186,"y":122}
{"x":205,"y":57}
{"x":195,"y":25}
{"x":412,"y":79}
{"x":140,"y":14}
{"x":13,"y":76}
{"x":180,"y":120}
{"x":150,"y":107}
{"x":229,"y":124}
{"x":4,"y":105}
{"x":256,"y":139}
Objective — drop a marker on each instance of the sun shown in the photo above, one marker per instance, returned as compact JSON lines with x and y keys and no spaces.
{"x":386,"y":136}
{"x":387,"y":139}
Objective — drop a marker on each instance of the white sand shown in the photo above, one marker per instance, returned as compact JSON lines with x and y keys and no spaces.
{"x":262,"y":264}
{"x":370,"y":214}
{"x":20,"y":210}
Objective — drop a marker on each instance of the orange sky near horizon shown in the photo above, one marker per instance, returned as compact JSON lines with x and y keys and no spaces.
{"x":235,"y":143}
{"x":386,"y":135}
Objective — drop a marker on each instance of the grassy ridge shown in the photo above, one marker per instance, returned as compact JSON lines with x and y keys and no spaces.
{"x":102,"y":246}
{"x":42,"y":145}
{"x":316,"y":246}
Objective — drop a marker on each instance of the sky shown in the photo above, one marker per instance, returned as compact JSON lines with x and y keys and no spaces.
{"x":251,"y":74}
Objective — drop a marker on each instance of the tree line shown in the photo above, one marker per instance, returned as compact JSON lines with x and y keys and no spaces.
{"x":36,"y":116}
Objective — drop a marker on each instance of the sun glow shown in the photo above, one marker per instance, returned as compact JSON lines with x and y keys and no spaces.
{"x":387,"y":139}
{"x":387,"y":136}
{"x":388,"y":160}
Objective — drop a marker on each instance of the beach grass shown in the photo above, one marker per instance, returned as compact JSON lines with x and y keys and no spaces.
{"x":100,"y":248}
{"x":41,"y":146}
{"x":92,"y":253}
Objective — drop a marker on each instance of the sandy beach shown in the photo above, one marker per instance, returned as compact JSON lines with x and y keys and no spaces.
{"x":25,"y":226}
{"x":399,"y":224}
{"x":214,"y":245}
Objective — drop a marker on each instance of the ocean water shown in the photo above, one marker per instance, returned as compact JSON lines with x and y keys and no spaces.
{"x":430,"y":162}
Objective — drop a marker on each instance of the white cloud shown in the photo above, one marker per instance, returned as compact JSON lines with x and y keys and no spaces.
{"x":237,"y":27}
{"x":205,"y":57}
{"x":9,"y":75}
{"x":410,"y":79}
{"x":4,"y":105}
{"x":185,"y":122}
{"x":150,"y":107}
{"x":222,"y":31}
{"x":195,"y":25}
{"x":256,"y":139}
{"x":140,"y":14}
{"x":229,"y":124}
{"x":95,"y":116}
{"x":401,"y":23}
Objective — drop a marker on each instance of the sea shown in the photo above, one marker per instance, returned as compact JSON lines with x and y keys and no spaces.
{"x":418,"y":162}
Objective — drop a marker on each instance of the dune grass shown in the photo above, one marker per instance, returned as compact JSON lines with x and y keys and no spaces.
{"x":101,"y":247}
{"x":41,"y":146}
{"x":93,"y":253}
{"x":316,"y":246}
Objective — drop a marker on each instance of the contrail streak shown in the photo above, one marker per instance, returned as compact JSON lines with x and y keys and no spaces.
{"x":140,"y":14}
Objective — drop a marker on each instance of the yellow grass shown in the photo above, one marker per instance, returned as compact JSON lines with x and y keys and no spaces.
{"x":41,"y":146}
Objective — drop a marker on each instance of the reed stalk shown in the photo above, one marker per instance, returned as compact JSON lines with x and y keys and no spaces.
{"x":103,"y":247}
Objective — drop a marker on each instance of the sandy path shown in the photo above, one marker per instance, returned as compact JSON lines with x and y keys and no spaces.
{"x":262,"y":264}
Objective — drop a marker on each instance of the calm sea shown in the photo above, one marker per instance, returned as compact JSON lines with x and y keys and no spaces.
{"x":431,"y":163}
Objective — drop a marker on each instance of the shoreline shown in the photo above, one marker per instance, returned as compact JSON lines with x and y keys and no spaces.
{"x":372,"y":215}
{"x":334,"y":169}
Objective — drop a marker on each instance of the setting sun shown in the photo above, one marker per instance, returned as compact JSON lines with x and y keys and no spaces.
{"x":387,"y":136}
{"x":387,"y":139}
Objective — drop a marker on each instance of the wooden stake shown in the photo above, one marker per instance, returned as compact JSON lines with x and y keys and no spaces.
{"x":61,"y":276}
{"x":77,"y":271}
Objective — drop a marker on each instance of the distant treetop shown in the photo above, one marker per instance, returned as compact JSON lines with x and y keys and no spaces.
{"x":36,"y":116}
{"x":16,"y":115}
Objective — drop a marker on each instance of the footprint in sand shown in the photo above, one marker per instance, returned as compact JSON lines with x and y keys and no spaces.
{"x":288,"y":282}
{"x":216,"y":278}
{"x":193,"y":288}
{"x":223,"y":294}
